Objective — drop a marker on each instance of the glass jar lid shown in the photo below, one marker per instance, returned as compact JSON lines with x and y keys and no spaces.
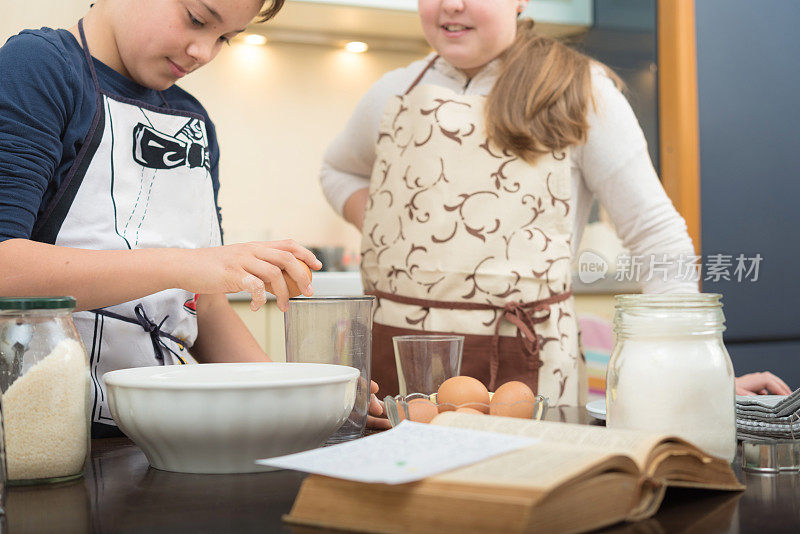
{"x":669,"y":300}
{"x":36,"y":303}
{"x":669,"y":314}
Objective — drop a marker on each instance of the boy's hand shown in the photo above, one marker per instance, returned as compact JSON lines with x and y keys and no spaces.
{"x":376,"y":409}
{"x":251,"y":267}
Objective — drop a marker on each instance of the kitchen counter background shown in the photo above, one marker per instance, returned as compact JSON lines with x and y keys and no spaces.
{"x":267,"y":324}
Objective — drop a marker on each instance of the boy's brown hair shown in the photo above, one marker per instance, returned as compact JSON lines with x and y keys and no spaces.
{"x":271,"y":9}
{"x":541,"y":98}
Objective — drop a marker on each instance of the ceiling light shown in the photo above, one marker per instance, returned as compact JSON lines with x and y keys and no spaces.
{"x":255,"y":39}
{"x":356,"y":47}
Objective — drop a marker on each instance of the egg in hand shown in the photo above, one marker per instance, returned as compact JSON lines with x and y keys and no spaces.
{"x":291,"y":285}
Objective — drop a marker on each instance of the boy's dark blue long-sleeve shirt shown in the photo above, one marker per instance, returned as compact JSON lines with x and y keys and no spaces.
{"x":47,"y":102}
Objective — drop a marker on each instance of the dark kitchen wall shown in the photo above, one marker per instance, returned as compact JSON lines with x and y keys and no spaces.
{"x":624,"y":38}
{"x":748,"y":53}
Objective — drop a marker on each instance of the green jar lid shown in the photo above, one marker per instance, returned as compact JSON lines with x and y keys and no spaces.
{"x":36,"y":303}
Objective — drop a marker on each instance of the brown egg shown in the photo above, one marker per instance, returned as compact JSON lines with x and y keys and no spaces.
{"x":469,"y":410}
{"x":401,"y":412}
{"x":422,"y":410}
{"x":463,"y":392}
{"x":294,"y":290}
{"x":513,"y":399}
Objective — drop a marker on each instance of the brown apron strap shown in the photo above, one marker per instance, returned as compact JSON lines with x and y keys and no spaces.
{"x":421,"y":74}
{"x":520,"y":314}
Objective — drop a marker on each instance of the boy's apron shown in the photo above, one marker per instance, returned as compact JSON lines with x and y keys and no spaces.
{"x":140,"y":180}
{"x":462,"y":237}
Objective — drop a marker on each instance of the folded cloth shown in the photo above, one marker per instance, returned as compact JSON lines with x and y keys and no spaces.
{"x":759,"y":438}
{"x":767,"y":407}
{"x":789,"y":429}
{"x":768,"y":417}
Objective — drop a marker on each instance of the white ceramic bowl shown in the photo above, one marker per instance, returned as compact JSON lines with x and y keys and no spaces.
{"x":221,"y":417}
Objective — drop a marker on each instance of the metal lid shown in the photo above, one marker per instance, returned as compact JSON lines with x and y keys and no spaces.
{"x":36,"y":303}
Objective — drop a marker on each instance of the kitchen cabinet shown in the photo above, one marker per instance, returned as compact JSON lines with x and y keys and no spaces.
{"x":323,"y":22}
{"x":394,"y":24}
{"x":566,"y":12}
{"x":749,"y":163}
{"x":729,"y":158}
{"x":571,"y":12}
{"x":400,"y":5}
{"x":266,"y":325}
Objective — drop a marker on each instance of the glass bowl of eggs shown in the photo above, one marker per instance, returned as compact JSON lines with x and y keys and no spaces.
{"x":464,"y":394}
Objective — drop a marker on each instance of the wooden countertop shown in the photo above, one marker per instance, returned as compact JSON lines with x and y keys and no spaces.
{"x":121,"y":493}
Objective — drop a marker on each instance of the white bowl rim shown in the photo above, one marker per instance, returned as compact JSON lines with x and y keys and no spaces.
{"x":129,"y":378}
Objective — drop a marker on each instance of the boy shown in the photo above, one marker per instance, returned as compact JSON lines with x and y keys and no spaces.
{"x":109,"y":181}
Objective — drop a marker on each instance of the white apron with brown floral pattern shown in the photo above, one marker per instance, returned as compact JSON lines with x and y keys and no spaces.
{"x":462,"y":237}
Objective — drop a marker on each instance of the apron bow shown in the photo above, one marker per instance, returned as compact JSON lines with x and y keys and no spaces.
{"x":151,"y":328}
{"x":524,"y":315}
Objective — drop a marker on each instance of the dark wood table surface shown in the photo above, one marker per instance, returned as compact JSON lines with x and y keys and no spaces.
{"x":121,"y":493}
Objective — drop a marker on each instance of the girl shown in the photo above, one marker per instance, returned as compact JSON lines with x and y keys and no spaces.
{"x":471,"y":175}
{"x":109,"y":180}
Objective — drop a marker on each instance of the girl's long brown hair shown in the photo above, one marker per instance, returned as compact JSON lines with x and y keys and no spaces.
{"x":271,"y":9}
{"x":540,"y":100}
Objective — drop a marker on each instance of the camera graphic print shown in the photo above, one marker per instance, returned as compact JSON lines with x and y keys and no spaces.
{"x":161,"y":180}
{"x":158,"y":150}
{"x":147,"y":185}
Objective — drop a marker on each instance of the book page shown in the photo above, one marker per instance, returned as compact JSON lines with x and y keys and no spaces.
{"x":408,"y":452}
{"x":632,"y":443}
{"x":540,"y":466}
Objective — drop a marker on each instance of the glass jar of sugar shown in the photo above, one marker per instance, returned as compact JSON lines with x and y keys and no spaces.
{"x":44,"y":380}
{"x":670,"y":372}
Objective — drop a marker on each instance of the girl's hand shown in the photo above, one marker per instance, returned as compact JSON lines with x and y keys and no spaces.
{"x":355,"y":207}
{"x":253,"y":267}
{"x":376,"y":409}
{"x":764,"y":383}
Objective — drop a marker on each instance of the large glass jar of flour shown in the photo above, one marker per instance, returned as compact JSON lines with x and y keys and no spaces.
{"x":44,"y":380}
{"x":670,"y":372}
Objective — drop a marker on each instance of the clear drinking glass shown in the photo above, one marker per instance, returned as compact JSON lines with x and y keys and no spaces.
{"x":425,"y":361}
{"x":44,"y":379}
{"x":335,"y":330}
{"x":670,"y":372}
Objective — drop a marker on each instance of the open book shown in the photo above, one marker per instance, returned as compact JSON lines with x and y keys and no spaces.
{"x":576,"y":478}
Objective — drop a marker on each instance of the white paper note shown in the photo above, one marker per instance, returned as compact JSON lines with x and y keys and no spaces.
{"x":409,"y":452}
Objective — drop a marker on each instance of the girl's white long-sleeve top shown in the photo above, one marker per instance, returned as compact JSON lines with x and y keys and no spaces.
{"x":612,"y":165}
